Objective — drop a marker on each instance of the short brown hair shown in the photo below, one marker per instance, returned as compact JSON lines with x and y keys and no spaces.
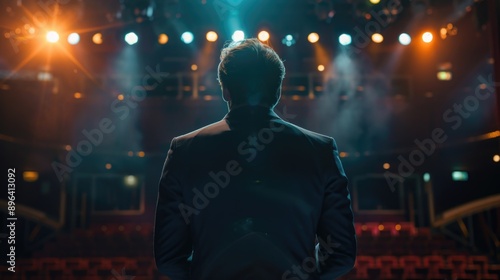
{"x":252,"y":72}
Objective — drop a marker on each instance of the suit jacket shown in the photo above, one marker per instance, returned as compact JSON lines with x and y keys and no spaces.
{"x":253,"y":197}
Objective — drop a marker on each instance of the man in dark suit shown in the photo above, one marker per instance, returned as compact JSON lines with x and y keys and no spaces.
{"x":253,"y":196}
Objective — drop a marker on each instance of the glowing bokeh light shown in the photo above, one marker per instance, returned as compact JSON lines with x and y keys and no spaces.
{"x":187,"y":37}
{"x":263,"y":36}
{"x":377,"y":38}
{"x":345,"y":39}
{"x":212,"y":36}
{"x":313,"y":37}
{"x":427,"y":177}
{"x":444,"y":75}
{"x":52,"y":37}
{"x":238,"y":35}
{"x":288,"y":40}
{"x":97,"y":38}
{"x":427,"y":37}
{"x":130,"y":181}
{"x":131,"y":38}
{"x":73,"y":38}
{"x":162,"y":39}
{"x":404,"y":39}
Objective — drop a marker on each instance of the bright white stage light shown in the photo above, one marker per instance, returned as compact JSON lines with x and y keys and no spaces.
{"x":52,"y":37}
{"x":345,"y":39}
{"x":73,"y":38}
{"x":187,"y":37}
{"x":238,"y":35}
{"x":131,"y":38}
{"x":404,"y":39}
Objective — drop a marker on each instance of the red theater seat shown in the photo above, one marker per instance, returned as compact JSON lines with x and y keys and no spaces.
{"x":433,"y":262}
{"x":480,"y":260}
{"x":457,"y":263}
{"x":385,"y":264}
{"x":362,"y":265}
{"x":409,"y":264}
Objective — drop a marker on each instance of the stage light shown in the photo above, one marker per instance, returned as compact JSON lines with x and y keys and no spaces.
{"x":77,"y":95}
{"x":108,"y":166}
{"x":404,"y":39}
{"x":212,"y":36}
{"x":443,"y":32}
{"x":374,"y":1}
{"x":73,"y":38}
{"x":345,"y":39}
{"x":130,"y":181}
{"x":52,"y":37}
{"x":386,"y":166}
{"x":263,"y":36}
{"x":194,"y":67}
{"x":238,"y":35}
{"x":444,"y":75}
{"x":187,"y":37}
{"x":288,"y":40}
{"x":313,"y":37}
{"x":377,"y":38}
{"x":97,"y":38}
{"x":162,"y":39}
{"x":30,"y":176}
{"x":427,"y":37}
{"x":459,"y":176}
{"x":427,"y":177}
{"x":131,"y":38}
{"x":496,"y":158}
{"x":141,"y":154}
{"x":321,"y":68}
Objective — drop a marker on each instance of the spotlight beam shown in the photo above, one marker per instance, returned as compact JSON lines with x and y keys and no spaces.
{"x":76,"y":62}
{"x":24,"y":62}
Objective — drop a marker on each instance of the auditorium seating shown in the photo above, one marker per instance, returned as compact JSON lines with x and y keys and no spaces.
{"x":395,"y":251}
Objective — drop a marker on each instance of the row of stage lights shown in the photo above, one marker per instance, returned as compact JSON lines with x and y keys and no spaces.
{"x":187,"y":37}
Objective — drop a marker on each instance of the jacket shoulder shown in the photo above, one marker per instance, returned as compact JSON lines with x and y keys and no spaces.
{"x":211,"y":129}
{"x":312,"y":136}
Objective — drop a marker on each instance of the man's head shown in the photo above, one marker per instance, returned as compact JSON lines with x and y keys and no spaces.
{"x":250,"y":73}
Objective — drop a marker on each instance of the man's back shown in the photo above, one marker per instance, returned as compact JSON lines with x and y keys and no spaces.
{"x":251,"y":196}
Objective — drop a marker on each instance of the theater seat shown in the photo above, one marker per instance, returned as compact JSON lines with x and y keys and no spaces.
{"x":362,"y":264}
{"x":386,"y":263}
{"x":481,"y":261}
{"x":409,"y":263}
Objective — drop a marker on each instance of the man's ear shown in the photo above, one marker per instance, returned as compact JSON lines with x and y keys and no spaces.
{"x":226,"y":95}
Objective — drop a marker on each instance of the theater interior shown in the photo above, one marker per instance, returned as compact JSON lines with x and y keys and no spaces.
{"x":92,"y":93}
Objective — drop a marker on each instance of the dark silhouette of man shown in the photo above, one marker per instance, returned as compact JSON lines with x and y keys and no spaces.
{"x":253,"y":196}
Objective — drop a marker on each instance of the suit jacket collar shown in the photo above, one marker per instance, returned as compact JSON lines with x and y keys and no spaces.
{"x":247,"y":113}
{"x":249,"y":117}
